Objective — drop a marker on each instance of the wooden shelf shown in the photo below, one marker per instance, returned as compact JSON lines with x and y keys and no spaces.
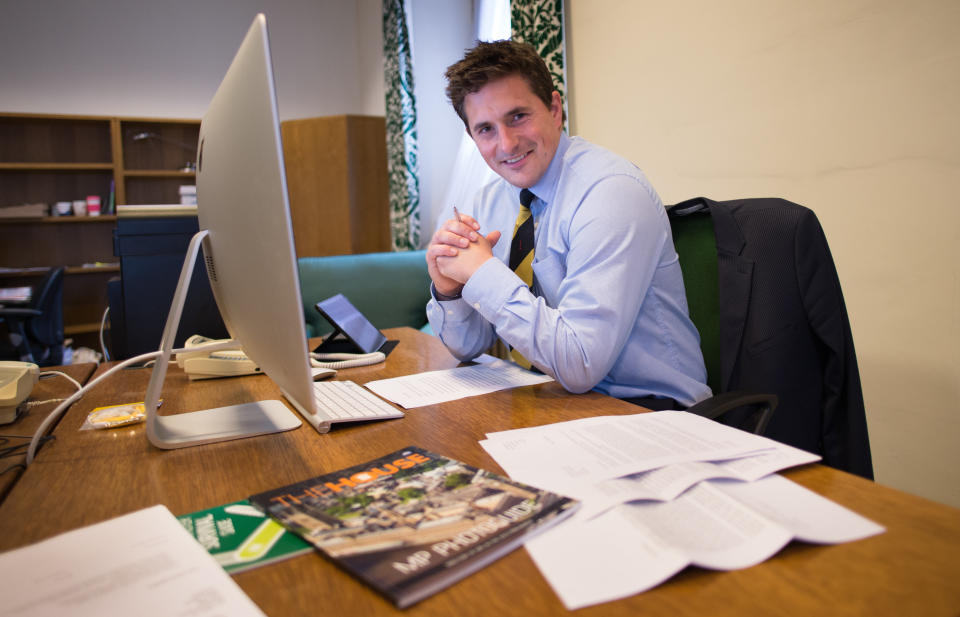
{"x":159,"y":173}
{"x":56,"y":166}
{"x":96,"y":270}
{"x":60,"y":220}
{"x":81,"y":328}
{"x":48,"y":158}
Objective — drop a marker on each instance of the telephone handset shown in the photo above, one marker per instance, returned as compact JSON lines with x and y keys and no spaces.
{"x":202,"y":364}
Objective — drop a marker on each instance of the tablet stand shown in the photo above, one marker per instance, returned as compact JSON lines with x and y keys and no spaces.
{"x":210,"y":425}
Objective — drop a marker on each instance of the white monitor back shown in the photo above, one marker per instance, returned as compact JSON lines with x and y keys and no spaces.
{"x":243,"y":204}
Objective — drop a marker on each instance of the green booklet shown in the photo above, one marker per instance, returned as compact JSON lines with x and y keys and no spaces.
{"x":240,"y":537}
{"x":413,"y":522}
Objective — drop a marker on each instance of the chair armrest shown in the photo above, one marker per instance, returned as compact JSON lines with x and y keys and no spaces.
{"x":19,"y":312}
{"x":718,"y":405}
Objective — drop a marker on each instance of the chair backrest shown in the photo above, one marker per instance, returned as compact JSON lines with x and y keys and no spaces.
{"x":390,"y":289}
{"x":46,"y":329}
{"x":696,"y":246}
{"x":764,"y":294}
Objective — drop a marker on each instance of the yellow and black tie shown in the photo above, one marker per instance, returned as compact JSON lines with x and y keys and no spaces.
{"x":521,"y":254}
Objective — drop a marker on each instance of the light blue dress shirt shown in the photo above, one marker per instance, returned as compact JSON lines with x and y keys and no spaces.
{"x":609,"y":311}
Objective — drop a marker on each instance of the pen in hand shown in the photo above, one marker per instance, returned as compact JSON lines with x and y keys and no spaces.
{"x":456,"y":213}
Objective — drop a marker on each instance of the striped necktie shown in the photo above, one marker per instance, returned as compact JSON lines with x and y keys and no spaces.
{"x":521,"y":254}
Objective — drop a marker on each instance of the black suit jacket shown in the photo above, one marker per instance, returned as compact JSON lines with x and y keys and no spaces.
{"x":784,"y":328}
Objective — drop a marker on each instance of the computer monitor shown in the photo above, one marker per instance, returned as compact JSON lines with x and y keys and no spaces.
{"x":247,"y":240}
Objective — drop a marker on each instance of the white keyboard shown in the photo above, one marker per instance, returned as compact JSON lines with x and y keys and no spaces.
{"x":345,"y":401}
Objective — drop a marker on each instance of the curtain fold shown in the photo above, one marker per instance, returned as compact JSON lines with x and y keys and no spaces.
{"x":540,"y":23}
{"x":401,"y":121}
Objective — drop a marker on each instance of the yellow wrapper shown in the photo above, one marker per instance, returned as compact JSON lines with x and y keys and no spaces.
{"x":115,"y":415}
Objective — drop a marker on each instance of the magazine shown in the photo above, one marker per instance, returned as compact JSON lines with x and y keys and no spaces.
{"x":240,"y":537}
{"x":413,"y":522}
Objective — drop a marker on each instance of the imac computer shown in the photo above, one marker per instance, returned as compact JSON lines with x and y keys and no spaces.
{"x":247,"y":241}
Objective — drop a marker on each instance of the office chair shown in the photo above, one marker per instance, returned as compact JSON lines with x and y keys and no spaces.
{"x":39,"y":325}
{"x":764,"y":294}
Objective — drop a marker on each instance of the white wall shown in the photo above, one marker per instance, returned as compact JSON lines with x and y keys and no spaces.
{"x":165,"y":59}
{"x":846,"y":106}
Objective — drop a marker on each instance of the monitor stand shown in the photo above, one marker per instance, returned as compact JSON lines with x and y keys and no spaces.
{"x":210,"y":425}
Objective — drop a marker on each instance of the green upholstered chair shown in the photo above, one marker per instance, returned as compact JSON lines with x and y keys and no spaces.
{"x":390,"y":289}
{"x":696,"y":246}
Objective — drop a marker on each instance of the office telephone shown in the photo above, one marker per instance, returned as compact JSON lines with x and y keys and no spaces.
{"x":16,"y":382}
{"x":233,"y":362}
{"x":202,"y":364}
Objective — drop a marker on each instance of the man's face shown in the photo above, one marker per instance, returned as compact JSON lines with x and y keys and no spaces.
{"x":515,"y":132}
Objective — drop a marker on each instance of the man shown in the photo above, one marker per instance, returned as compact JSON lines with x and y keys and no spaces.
{"x":607,"y":308}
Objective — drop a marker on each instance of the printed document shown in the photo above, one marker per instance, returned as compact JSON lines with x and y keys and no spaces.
{"x":144,"y":564}
{"x":445,"y":385}
{"x":661,"y":491}
{"x":722,"y":525}
{"x":589,"y":450}
{"x":666,"y":483}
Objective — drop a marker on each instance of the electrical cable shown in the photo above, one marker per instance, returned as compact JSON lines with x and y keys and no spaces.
{"x":62,"y":374}
{"x":103,"y":346}
{"x":320,"y":360}
{"x":58,"y":411}
{"x":345,"y":360}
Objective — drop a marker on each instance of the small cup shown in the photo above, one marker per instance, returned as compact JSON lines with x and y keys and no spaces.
{"x":80,"y":207}
{"x":62,"y":208}
{"x":93,"y":205}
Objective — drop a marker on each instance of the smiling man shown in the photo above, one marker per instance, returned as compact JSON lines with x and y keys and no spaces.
{"x":586,"y":285}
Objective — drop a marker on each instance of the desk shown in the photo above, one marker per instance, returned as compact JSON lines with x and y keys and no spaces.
{"x":48,"y":388}
{"x":86,"y":477}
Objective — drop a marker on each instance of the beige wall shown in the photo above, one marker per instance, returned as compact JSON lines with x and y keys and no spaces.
{"x":850,"y":107}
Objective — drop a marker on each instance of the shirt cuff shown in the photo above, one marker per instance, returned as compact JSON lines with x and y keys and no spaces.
{"x":443,"y":297}
{"x":492,"y":285}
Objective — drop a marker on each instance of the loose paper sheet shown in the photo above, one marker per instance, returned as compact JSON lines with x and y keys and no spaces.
{"x":445,"y":385}
{"x":144,"y":564}
{"x":721,"y":525}
{"x":589,"y":450}
{"x":661,"y":491}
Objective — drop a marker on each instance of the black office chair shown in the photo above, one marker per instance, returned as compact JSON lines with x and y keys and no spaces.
{"x":764,"y":293}
{"x":39,"y":324}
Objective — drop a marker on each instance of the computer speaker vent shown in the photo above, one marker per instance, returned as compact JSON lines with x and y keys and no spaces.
{"x":211,"y":268}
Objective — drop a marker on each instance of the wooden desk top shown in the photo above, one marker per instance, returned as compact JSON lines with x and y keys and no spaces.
{"x":84,"y":477}
{"x":21,"y":430}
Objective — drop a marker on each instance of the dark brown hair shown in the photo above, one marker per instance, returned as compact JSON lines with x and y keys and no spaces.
{"x":491,"y":61}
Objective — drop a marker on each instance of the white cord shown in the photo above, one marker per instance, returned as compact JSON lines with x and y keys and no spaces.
{"x":68,"y":377}
{"x":50,"y":419}
{"x":345,"y":360}
{"x":103,"y":323}
{"x":340,"y":360}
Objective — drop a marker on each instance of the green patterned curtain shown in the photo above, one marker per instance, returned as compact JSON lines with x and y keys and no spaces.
{"x":402,"y":163}
{"x":540,"y":23}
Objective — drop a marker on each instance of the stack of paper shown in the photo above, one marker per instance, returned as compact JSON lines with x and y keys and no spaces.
{"x":661,"y":491}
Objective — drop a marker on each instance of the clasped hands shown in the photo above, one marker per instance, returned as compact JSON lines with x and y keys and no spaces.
{"x":456,"y":251}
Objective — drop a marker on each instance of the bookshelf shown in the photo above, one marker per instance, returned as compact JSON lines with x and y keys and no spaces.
{"x":49,"y":158}
{"x":336,"y":175}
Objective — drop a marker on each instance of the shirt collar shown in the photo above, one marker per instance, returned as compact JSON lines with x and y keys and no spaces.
{"x":546,"y":187}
